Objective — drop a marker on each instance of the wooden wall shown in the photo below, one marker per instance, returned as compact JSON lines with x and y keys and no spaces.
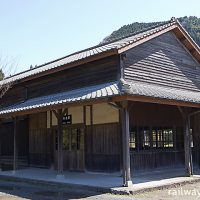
{"x":195,"y":121}
{"x":151,"y":116}
{"x":7,"y":137}
{"x":102,"y":139}
{"x":93,"y":73}
{"x":7,"y":134}
{"x":39,"y":140}
{"x":103,"y":147}
{"x":7,"y":144}
{"x":19,"y":94}
{"x":151,"y":160}
{"x":162,"y":61}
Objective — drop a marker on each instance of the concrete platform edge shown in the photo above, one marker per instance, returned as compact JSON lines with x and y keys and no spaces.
{"x":116,"y":191}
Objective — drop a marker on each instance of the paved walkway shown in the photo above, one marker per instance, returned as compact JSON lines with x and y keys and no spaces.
{"x":105,"y":182}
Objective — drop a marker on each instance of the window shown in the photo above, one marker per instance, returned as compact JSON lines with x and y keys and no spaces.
{"x":168,"y":138}
{"x":145,"y":138}
{"x":157,"y":138}
{"x":73,"y":139}
{"x":132,"y":142}
{"x":154,"y":138}
{"x":162,"y":138}
{"x":191,"y":138}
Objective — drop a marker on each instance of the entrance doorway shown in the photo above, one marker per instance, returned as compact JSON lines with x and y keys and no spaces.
{"x":73,"y":147}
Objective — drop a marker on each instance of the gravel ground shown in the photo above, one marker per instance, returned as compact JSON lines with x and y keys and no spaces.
{"x":19,"y":191}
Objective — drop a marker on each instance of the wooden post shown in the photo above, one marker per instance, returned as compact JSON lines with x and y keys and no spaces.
{"x":125,"y":146}
{"x":191,"y":159}
{"x":0,"y":153}
{"x":59,"y":115}
{"x":187,"y":142}
{"x":187,"y":147}
{"x":15,"y":151}
{"x":60,"y":142}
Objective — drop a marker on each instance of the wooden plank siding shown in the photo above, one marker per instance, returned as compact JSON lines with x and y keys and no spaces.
{"x":7,"y":144}
{"x":39,"y":147}
{"x":151,"y":160}
{"x":162,"y":61}
{"x":161,"y":116}
{"x":39,"y":140}
{"x":6,"y":135}
{"x":103,"y":147}
{"x":94,"y":73}
{"x":196,"y":139}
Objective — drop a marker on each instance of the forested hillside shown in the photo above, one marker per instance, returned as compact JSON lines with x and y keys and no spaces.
{"x":191,"y":24}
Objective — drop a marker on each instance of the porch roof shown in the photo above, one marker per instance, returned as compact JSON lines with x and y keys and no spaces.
{"x":161,"y":92}
{"x":82,"y":94}
{"x":103,"y":91}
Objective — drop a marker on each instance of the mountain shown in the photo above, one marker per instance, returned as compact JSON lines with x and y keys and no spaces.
{"x":191,"y":24}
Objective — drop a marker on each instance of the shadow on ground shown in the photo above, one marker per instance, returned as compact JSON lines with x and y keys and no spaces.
{"x":41,"y":192}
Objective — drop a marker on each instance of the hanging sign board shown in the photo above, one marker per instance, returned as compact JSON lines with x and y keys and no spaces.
{"x":67,"y":119}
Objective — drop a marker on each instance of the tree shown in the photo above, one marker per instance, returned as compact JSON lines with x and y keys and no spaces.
{"x":7,"y":66}
{"x":1,"y":75}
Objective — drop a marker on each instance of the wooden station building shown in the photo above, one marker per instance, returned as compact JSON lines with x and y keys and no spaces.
{"x":129,"y":105}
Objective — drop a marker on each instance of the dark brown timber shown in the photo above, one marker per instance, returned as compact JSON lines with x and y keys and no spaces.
{"x":59,"y":116}
{"x":15,"y":151}
{"x":125,"y":144}
{"x":187,"y":142}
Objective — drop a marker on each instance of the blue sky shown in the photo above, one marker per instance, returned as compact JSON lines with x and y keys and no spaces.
{"x":37,"y":31}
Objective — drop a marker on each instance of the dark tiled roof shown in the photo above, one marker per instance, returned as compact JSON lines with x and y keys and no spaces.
{"x":83,"y":94}
{"x":161,"y":92}
{"x":106,"y":90}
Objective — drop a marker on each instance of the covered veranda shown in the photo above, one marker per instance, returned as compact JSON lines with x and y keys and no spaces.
{"x":111,"y":95}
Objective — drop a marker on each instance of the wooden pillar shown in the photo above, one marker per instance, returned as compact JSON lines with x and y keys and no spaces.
{"x":125,"y":145}
{"x":60,"y":142}
{"x":187,"y":142}
{"x":15,"y":150}
{"x":0,"y":143}
{"x":59,"y":115}
{"x":187,"y":147}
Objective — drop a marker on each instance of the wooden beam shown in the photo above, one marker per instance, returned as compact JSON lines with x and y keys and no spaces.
{"x":180,"y":33}
{"x":154,"y":100}
{"x":187,"y":141}
{"x":187,"y":147}
{"x":125,"y":144}
{"x":145,"y":39}
{"x":52,"y":144}
{"x":65,"y":111}
{"x":60,"y":141}
{"x":15,"y":140}
{"x":54,"y":107}
{"x":0,"y":142}
{"x":84,"y":132}
{"x":103,"y":100}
